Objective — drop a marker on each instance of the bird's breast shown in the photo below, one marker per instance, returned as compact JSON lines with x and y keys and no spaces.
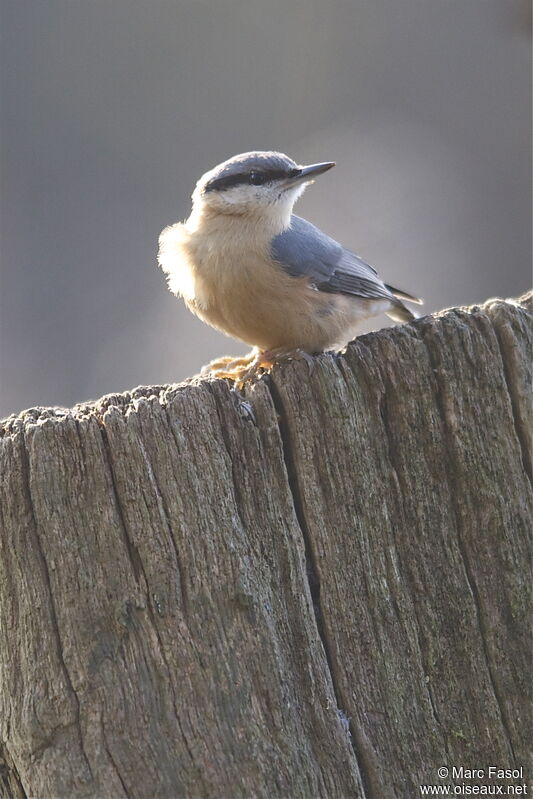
{"x":228,"y":278}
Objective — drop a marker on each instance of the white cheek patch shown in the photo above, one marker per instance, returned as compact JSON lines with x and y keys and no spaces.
{"x":237,"y":195}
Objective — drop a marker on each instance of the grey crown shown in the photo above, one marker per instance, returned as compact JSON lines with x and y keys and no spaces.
{"x":237,"y":169}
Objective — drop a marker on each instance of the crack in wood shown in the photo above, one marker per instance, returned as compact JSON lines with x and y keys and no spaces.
{"x":507,"y":345}
{"x":112,"y":761}
{"x":368,"y":768}
{"x":448,"y":431}
{"x":25,"y":463}
{"x":131,"y":549}
{"x":165,"y":516}
{"x":11,"y":786}
{"x":139,"y":569}
{"x":234,"y":482}
{"x":396,"y":471}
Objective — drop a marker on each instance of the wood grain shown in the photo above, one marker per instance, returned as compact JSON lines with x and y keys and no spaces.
{"x":318,"y":589}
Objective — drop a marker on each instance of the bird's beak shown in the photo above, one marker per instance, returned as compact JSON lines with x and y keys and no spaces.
{"x":306,"y":174}
{"x":315,"y":169}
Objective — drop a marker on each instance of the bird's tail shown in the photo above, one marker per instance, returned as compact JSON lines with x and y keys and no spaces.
{"x":400,"y":312}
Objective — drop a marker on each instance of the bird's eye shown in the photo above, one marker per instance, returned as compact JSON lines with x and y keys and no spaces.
{"x":257,"y":178}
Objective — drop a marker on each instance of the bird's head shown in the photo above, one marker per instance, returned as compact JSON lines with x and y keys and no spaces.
{"x":255,"y":183}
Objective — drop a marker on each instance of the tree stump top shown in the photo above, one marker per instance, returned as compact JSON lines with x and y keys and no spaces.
{"x":320,"y":588}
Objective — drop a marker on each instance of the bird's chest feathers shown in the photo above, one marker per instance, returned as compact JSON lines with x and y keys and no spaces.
{"x":228,"y":266}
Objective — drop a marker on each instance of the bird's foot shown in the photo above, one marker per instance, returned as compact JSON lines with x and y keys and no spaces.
{"x":265,"y":361}
{"x":228,"y":365}
{"x":244,"y":370}
{"x":240,"y":370}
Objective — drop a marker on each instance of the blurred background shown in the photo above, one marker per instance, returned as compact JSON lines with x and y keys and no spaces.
{"x":111,"y":110}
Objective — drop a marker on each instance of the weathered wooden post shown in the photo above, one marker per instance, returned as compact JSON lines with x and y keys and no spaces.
{"x":323,"y":591}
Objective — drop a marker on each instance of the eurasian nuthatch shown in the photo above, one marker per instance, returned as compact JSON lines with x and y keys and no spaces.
{"x":246,"y":265}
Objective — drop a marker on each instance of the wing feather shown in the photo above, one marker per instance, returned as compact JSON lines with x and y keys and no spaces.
{"x":304,"y":250}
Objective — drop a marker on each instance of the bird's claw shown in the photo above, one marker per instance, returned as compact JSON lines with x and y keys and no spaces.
{"x":225,"y":366}
{"x":244,"y":370}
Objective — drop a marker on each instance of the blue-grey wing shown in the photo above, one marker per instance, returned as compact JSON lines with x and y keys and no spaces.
{"x":305,"y":251}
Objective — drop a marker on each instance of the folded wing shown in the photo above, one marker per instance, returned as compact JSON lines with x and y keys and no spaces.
{"x":305,"y":251}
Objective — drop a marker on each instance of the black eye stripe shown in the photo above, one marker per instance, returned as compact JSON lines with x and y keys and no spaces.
{"x":219,"y":184}
{"x":255,"y":177}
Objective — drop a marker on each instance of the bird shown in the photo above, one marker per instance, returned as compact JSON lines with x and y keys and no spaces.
{"x":249,"y":267}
